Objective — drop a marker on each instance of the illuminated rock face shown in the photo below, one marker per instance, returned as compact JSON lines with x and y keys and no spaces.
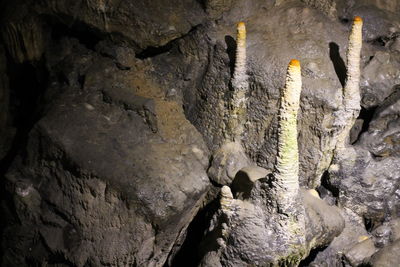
{"x":269,"y":213}
{"x":115,"y":129}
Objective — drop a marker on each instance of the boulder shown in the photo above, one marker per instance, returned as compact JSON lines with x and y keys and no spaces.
{"x":388,"y":256}
{"x":112,"y":175}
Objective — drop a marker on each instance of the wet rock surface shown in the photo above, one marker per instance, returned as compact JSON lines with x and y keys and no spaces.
{"x":120,"y":134}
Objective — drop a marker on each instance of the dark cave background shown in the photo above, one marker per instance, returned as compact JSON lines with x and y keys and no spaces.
{"x":111,"y":112}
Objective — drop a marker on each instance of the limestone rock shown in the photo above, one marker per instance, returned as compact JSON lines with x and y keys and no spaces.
{"x":266,"y":70}
{"x":324,"y":222}
{"x":146,"y":24}
{"x":246,"y":178}
{"x":381,"y":18}
{"x":383,"y":136}
{"x":226,"y":162}
{"x":368,"y":176}
{"x":388,"y":256}
{"x":352,"y":235}
{"x":24,"y":38}
{"x":100,"y":184}
{"x":379,"y":77}
{"x":361,"y":252}
{"x":328,"y":7}
{"x":359,"y":186}
{"x":382,"y":235}
{"x":215,"y":8}
{"x":251,"y":232}
{"x":395,"y":228}
{"x":113,"y":168}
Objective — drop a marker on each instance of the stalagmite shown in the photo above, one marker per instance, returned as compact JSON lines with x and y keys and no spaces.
{"x":287,"y":164}
{"x":237,"y":113}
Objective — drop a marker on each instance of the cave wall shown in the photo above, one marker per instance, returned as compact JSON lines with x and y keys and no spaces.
{"x":110,"y":112}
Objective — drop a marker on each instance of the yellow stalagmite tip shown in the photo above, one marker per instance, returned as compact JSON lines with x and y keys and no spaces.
{"x":241,"y":29}
{"x":358,"y":19}
{"x":294,"y":63}
{"x":241,"y":25}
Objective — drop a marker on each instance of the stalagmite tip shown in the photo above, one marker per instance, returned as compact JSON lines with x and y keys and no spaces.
{"x":295,"y":63}
{"x":358,"y":19}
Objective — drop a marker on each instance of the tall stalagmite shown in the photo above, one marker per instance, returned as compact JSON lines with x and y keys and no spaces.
{"x":237,"y":116}
{"x":286,"y":173}
{"x":351,"y":91}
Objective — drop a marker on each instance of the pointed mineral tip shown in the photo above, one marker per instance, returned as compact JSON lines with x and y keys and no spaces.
{"x":241,"y":30}
{"x":357,"y":19}
{"x":241,"y":25}
{"x":294,"y":63}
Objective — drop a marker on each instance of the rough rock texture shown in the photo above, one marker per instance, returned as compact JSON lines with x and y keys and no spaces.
{"x":323,"y":221}
{"x":152,"y":23}
{"x":388,"y":256}
{"x":266,"y":63}
{"x":382,"y":235}
{"x":369,"y":180}
{"x":226,"y":162}
{"x":360,"y":253}
{"x":352,"y":235}
{"x":109,"y":177}
{"x":267,"y":57}
{"x":115,"y":171}
{"x":368,"y":186}
{"x":379,"y":76}
{"x":24,"y":37}
{"x":383,"y":136}
{"x":243,"y":229}
{"x":381,"y":19}
{"x":328,"y":7}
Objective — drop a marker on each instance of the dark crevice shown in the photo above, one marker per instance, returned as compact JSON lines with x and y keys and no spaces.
{"x":370,"y":58}
{"x":327,"y":188}
{"x":27,"y":83}
{"x":88,"y":36}
{"x":382,"y":41}
{"x":121,"y":67}
{"x":366,"y":115}
{"x":59,"y":259}
{"x":311,"y":257}
{"x":189,"y":252}
{"x":152,"y":51}
{"x":338,"y":62}
{"x":231,"y":51}
{"x":377,"y":157}
{"x":369,"y":224}
{"x":344,"y":20}
{"x":81,"y":81}
{"x":202,"y":3}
